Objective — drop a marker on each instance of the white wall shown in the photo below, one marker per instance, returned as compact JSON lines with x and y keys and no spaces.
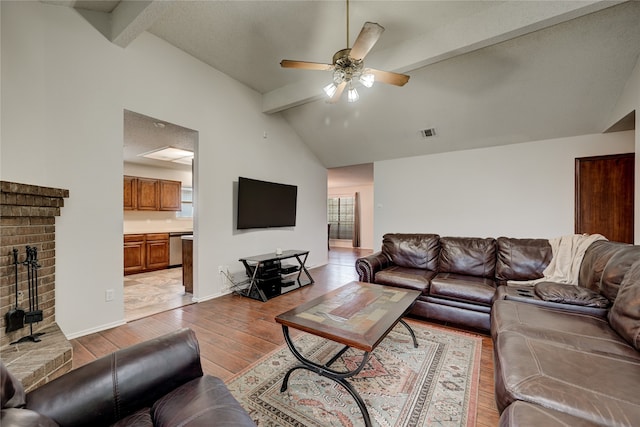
{"x":521,"y":190}
{"x":64,"y":89}
{"x":366,"y":213}
{"x":630,"y":101}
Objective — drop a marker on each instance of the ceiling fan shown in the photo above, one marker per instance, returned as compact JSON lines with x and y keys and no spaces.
{"x":348,"y":65}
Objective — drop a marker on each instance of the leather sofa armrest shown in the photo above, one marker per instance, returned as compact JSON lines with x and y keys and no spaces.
{"x":114,"y":386}
{"x":368,"y":266}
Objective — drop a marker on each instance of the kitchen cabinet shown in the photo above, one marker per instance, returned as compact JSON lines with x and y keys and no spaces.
{"x":150,"y":194}
{"x":170,"y":195}
{"x":134,"y":253}
{"x":130,"y":193}
{"x":187,"y":263}
{"x":145,"y":252}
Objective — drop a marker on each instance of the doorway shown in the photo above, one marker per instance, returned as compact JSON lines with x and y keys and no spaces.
{"x":347,"y":187}
{"x":162,"y":152}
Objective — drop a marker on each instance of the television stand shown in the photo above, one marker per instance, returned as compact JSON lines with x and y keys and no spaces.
{"x":268,"y":274}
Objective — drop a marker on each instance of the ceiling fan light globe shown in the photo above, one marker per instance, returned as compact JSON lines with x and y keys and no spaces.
{"x":367,"y":79}
{"x":330,"y":89}
{"x":352,"y":95}
{"x":338,"y":76}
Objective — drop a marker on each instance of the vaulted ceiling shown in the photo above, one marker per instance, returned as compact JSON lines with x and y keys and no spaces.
{"x":483,"y":73}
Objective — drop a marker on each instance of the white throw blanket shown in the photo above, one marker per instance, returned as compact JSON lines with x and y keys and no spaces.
{"x":567,"y":253}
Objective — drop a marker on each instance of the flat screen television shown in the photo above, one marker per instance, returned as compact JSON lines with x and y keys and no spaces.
{"x":263,"y":204}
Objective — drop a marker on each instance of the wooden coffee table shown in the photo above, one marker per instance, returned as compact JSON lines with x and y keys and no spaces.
{"x":358,"y":315}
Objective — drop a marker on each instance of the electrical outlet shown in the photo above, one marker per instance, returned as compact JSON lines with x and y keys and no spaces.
{"x":108,"y":295}
{"x":20,"y":296}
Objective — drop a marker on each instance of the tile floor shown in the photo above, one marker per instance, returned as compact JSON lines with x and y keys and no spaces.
{"x":153,"y":292}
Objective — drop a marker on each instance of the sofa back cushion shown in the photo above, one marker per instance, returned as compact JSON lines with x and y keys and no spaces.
{"x":521,"y":259}
{"x":412,"y":250}
{"x":468,"y":255}
{"x":624,"y":316}
{"x":616,"y":269}
{"x":595,"y":260}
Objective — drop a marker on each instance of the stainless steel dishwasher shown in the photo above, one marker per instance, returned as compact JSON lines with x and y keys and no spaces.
{"x":175,"y":249}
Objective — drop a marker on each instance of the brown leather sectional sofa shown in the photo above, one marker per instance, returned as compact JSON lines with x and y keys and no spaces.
{"x":564,"y":354}
{"x":154,"y":383}
{"x":458,"y":276}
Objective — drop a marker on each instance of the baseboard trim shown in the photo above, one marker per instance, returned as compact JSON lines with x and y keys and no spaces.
{"x":94,"y":330}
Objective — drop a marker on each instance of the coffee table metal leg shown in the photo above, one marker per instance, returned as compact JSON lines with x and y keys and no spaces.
{"x":324,"y":371}
{"x":413,"y":335}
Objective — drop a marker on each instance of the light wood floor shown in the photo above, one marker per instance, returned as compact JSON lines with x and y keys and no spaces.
{"x":234,"y":331}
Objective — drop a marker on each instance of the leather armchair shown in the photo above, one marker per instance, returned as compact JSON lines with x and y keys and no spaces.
{"x":154,"y":383}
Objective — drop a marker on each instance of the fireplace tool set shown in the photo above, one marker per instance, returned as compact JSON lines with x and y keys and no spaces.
{"x":17,"y":317}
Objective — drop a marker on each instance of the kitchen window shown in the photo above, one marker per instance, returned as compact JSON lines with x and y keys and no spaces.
{"x":186,"y":203}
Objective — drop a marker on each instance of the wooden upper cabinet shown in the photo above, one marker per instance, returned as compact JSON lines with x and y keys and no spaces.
{"x":130,"y":193}
{"x":170,"y":195}
{"x":150,"y":194}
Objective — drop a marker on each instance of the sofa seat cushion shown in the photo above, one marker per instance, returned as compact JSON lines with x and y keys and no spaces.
{"x":204,"y":401}
{"x":525,"y":414}
{"x":570,"y":294}
{"x":405,"y":277}
{"x":460,"y":287}
{"x":588,"y":385}
{"x":19,"y":417}
{"x":578,"y":330}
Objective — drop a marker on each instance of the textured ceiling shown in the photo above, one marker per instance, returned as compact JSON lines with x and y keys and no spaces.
{"x":483,"y":73}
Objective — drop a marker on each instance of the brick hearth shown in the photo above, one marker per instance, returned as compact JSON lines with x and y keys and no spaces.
{"x":27,"y":217}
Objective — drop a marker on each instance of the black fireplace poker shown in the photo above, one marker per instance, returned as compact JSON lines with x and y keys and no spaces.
{"x":34,"y":315}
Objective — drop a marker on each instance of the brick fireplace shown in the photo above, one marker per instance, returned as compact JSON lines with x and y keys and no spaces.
{"x":27,"y":217}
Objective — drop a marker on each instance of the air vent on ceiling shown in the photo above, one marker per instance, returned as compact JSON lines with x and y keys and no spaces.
{"x":427,"y":133}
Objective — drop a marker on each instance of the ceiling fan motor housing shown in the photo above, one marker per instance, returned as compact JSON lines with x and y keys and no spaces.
{"x":345,"y":67}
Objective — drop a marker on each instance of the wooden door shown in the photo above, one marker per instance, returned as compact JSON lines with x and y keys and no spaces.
{"x":604,"y":196}
{"x":130,"y":201}
{"x":170,"y":195}
{"x":148,"y":194}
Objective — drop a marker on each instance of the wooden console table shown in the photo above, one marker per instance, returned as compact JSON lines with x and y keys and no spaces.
{"x":256,"y":265}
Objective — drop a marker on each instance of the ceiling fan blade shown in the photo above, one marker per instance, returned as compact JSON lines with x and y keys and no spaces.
{"x":336,"y":96}
{"x":285,"y":63}
{"x":389,"y":77}
{"x":368,"y":36}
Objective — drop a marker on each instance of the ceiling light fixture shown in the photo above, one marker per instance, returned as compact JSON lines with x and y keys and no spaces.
{"x":352,"y":94}
{"x":170,"y":154}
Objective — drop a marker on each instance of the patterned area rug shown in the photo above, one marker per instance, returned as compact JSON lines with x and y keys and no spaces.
{"x":434,"y":384}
